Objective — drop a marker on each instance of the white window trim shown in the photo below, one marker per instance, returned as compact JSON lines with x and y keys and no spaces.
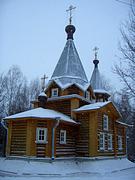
{"x":120,"y":143}
{"x":102,"y":148}
{"x":88,"y":95}
{"x":45,"y":136}
{"x":53,"y":95}
{"x":111,"y":142}
{"x":64,"y":141}
{"x":105,"y":118}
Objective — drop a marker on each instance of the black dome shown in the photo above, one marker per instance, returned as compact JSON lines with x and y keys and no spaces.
{"x":70,"y":29}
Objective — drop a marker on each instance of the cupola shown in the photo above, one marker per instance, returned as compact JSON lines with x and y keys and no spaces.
{"x":96,"y":81}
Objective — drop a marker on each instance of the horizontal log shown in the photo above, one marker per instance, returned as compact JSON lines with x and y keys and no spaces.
{"x":17,"y":152}
{"x":18,"y":127}
{"x":40,"y":148}
{"x":67,"y":150}
{"x":64,"y":153}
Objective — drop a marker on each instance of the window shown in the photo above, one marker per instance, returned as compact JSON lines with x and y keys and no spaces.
{"x":110,"y":146}
{"x":62,"y":136}
{"x":55,"y":92}
{"x":87,"y":95}
{"x":101,"y":141}
{"x":41,"y":135}
{"x":105,"y":122}
{"x":120,"y":142}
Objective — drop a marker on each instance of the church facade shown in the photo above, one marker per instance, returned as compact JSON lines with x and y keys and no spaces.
{"x":72,"y":116}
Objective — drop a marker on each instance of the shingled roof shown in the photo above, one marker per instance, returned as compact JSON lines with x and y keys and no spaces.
{"x":69,"y":69}
{"x":96,"y":80}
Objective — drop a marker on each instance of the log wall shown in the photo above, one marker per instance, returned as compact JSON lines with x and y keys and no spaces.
{"x":72,"y":90}
{"x":82,"y":141}
{"x":113,"y":129}
{"x":41,"y":148}
{"x":68,"y":149}
{"x":63,"y":106}
{"x":121,"y":131}
{"x":18,"y":138}
{"x":93,"y":138}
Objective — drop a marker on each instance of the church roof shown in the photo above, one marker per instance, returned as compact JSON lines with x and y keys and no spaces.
{"x":93,"y":106}
{"x":98,"y":105}
{"x":96,"y":80}
{"x":69,"y":69}
{"x":42,"y":114}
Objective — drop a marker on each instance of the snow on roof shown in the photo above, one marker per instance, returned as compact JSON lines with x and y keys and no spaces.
{"x":71,"y":81}
{"x":102,"y":91}
{"x":69,"y":69}
{"x":69,"y":63}
{"x":41,"y":113}
{"x":69,"y":97}
{"x":42,"y":94}
{"x":124,"y":124}
{"x":93,"y":106}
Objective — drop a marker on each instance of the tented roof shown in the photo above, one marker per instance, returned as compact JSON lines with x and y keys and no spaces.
{"x":96,"y":82}
{"x":69,"y":69}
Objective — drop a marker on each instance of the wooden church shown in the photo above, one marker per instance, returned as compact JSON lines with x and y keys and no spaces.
{"x":72,"y":117}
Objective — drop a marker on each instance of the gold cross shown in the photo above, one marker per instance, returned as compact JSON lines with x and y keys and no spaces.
{"x":70,"y":11}
{"x":43,"y":81}
{"x":96,"y":51}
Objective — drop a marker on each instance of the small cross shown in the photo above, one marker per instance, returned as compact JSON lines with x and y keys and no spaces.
{"x":70,"y":10}
{"x":96,"y":51}
{"x":43,"y":81}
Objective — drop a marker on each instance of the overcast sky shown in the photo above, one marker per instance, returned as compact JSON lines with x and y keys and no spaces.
{"x":32,"y":34}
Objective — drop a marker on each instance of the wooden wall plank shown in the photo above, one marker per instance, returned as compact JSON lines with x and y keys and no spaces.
{"x":68,"y":149}
{"x":18,"y":138}
{"x":93,"y":137}
{"x":82,"y":141}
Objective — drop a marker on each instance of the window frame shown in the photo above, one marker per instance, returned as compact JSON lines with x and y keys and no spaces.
{"x":54,"y":90}
{"x":120,"y":142}
{"x":87,"y":95}
{"x":38,"y":140}
{"x":64,"y":137}
{"x":103,"y":141}
{"x":105,"y":122}
{"x":110,"y":142}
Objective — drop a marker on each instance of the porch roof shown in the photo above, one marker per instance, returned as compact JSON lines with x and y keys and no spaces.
{"x":42,"y":114}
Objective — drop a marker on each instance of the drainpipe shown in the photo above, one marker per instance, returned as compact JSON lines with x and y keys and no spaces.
{"x":3,"y":124}
{"x":53,"y":134}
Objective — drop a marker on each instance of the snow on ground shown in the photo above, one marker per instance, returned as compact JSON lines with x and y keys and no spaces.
{"x":109,"y":169}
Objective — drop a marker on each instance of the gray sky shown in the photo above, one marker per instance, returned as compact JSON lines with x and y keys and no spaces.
{"x":32,"y":34}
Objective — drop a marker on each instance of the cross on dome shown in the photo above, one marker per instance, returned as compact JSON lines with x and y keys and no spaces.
{"x":96,"y":52}
{"x":43,"y":81}
{"x":70,"y":13}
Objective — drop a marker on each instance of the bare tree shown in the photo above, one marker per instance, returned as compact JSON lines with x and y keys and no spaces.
{"x":126,"y":71}
{"x":15,"y":86}
{"x":3,"y":93}
{"x":126,"y":68}
{"x":15,"y":92}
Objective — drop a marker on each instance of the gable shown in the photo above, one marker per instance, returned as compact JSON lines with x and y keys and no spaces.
{"x":73,"y":89}
{"x":53,"y":85}
{"x":105,"y":107}
{"x":90,"y":89}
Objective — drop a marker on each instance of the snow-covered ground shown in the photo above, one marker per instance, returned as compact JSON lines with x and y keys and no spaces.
{"x":109,"y":169}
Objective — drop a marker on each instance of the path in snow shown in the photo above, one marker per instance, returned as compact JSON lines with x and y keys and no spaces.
{"x":128,"y":174}
{"x":110,"y":169}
